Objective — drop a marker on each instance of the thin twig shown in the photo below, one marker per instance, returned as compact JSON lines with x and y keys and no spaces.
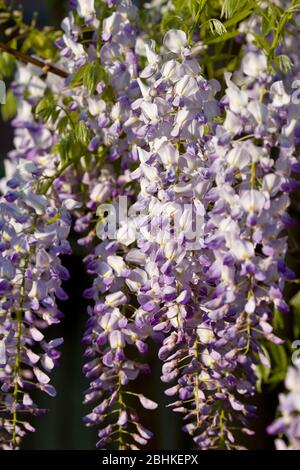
{"x":31,"y":60}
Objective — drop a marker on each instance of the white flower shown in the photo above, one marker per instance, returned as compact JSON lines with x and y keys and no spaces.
{"x":279,"y":95}
{"x":243,"y":249}
{"x":36,"y":334}
{"x":85,"y":8}
{"x":96,"y":106}
{"x":71,"y":204}
{"x":205,"y":333}
{"x":271,"y":183}
{"x":135,"y":256}
{"x":292,"y":380}
{"x":253,"y":201}
{"x":253,"y":64}
{"x":238,"y":99}
{"x":110,"y":320}
{"x":116,"y":339}
{"x":180,"y":119}
{"x":100,"y":192}
{"x":145,"y":90}
{"x":250,"y":305}
{"x":77,"y":49}
{"x":136,"y":279}
{"x":259,"y":111}
{"x":186,"y":86}
{"x":115,"y":299}
{"x":172,"y":70}
{"x":169,"y":154}
{"x":151,"y":55}
{"x":111,"y":24}
{"x":127,"y":232}
{"x":232,"y":123}
{"x":147,"y":403}
{"x":42,"y":378}
{"x":238,"y":157}
{"x":117,"y":263}
{"x":150,"y":111}
{"x":150,"y":172}
{"x":37,"y":202}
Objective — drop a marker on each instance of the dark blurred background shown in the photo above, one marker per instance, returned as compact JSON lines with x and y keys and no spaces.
{"x":62,"y":427}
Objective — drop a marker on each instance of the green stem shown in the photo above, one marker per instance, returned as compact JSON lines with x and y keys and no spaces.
{"x":253,"y":175}
{"x":120,"y":409}
{"x":197,"y":386}
{"x":17,"y":366}
{"x":59,"y":172}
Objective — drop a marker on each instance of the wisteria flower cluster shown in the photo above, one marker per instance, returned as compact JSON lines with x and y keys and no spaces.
{"x":207,"y":164}
{"x":288,"y":423}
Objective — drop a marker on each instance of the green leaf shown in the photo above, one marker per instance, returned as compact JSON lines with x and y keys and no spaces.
{"x":92,"y":75}
{"x":230,"y":7}
{"x":279,"y":364}
{"x":278,"y":321}
{"x":7,"y":62}
{"x":78,"y":76}
{"x":171,"y":21}
{"x":262,"y":43}
{"x":9,"y":108}
{"x":62,"y":124}
{"x":294,"y":8}
{"x":64,"y":148}
{"x":82,"y":133}
{"x":201,"y":4}
{"x":42,"y":42}
{"x":262,"y":373}
{"x":47,"y":109}
{"x":266,"y":26}
{"x":197,"y":7}
{"x":277,"y":377}
{"x":284,"y":63}
{"x":89,"y":75}
{"x":279,"y":356}
{"x":224,"y":37}
{"x":238,"y":17}
{"x":69,"y":148}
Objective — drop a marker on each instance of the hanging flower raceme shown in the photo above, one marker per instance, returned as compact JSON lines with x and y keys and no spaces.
{"x":244,"y":268}
{"x":34,"y":231}
{"x":176,"y":113}
{"x":111,"y":328}
{"x":102,"y":105}
{"x":33,"y":139}
{"x":239,"y":270}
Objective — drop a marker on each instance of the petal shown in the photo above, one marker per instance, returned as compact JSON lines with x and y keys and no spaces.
{"x":147,"y":403}
{"x":42,"y":378}
{"x":175,"y":40}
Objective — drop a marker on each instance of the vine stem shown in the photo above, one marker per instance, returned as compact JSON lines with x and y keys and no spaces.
{"x":17,"y":363}
{"x":31,"y":60}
